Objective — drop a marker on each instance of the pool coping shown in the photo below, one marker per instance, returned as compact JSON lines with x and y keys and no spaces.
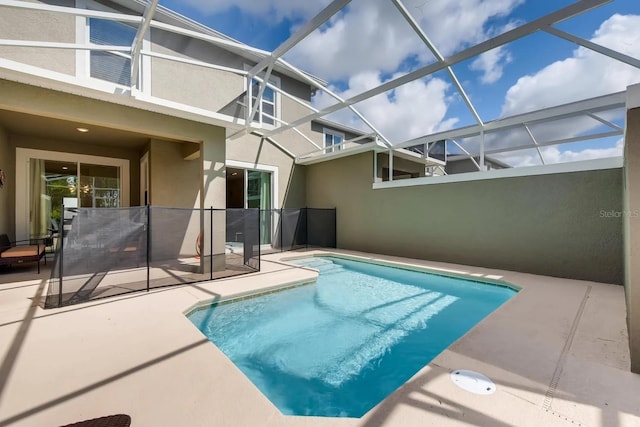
{"x":557,"y":351}
{"x":369,"y":260}
{"x":409,"y":267}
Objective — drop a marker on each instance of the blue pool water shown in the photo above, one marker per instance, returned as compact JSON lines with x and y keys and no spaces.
{"x":339,"y":347}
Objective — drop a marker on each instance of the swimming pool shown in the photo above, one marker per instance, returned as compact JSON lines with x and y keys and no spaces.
{"x":339,"y":347}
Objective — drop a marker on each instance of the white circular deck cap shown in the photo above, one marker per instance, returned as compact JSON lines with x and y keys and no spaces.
{"x":473,"y":382}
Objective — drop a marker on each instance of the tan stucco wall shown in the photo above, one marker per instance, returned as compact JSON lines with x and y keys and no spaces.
{"x":176,"y":182}
{"x":60,"y":105}
{"x":7,"y":164}
{"x":16,"y":24}
{"x":132,"y":155}
{"x":632,"y":233}
{"x":252,"y":149}
{"x":48,"y":103}
{"x":190,"y":84}
{"x":173,"y":181}
{"x":548,"y":224}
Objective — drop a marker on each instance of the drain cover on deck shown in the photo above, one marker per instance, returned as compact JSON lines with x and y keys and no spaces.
{"x":473,"y":382}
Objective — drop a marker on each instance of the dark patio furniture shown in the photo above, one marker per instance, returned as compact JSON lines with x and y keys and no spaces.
{"x":21,"y":251}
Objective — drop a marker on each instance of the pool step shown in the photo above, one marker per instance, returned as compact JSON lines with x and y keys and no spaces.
{"x":315,"y":263}
{"x":324,"y":266}
{"x":331,"y":269}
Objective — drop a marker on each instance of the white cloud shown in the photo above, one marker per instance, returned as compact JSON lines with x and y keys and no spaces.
{"x":371,"y":39}
{"x":409,"y":111}
{"x":491,"y":64}
{"x":583,"y":75}
{"x":371,"y":35}
{"x":555,"y":154}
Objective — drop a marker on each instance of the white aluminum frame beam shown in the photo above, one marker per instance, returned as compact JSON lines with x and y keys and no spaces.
{"x":333,"y":95}
{"x":72,"y":11}
{"x":263,"y":86}
{"x":467,"y":153}
{"x":605,"y":122}
{"x":136,"y":46}
{"x":425,"y":39}
{"x":533,"y":138}
{"x":554,"y":142}
{"x":629,"y":60}
{"x":57,"y":45}
{"x":500,"y":40}
{"x":601,"y":103}
{"x":315,"y":22}
{"x":193,"y":62}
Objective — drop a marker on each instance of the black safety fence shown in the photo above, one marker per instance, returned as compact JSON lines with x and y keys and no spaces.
{"x":107,"y":252}
{"x":297,"y":228}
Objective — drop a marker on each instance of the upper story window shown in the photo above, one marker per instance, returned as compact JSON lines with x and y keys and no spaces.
{"x":109,"y":70}
{"x":268,"y":112}
{"x":114,"y":67}
{"x":332,"y":140}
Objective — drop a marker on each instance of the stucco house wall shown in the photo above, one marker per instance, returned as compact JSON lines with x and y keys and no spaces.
{"x":546,"y":224}
{"x":36,"y":25}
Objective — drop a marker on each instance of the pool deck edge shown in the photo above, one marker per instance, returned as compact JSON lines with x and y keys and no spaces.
{"x":557,"y":352}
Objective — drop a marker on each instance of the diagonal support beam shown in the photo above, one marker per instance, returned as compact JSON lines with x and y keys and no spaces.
{"x":425,"y":39}
{"x":533,"y":138}
{"x":263,"y":86}
{"x":136,"y":46}
{"x":467,"y":153}
{"x":629,"y":60}
{"x":504,"y":38}
{"x":300,"y":34}
{"x":336,"y":97}
{"x":605,"y":122}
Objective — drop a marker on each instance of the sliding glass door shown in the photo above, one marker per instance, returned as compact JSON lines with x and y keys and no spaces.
{"x":259,"y":196}
{"x":54,"y":180}
{"x":252,"y":189}
{"x":55,"y":184}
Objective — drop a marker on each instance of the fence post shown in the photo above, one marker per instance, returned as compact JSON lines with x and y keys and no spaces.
{"x":148,"y":209}
{"x":335,"y":228}
{"x":61,"y":231}
{"x":306,"y":227}
{"x":211,"y":243}
{"x":281,"y":231}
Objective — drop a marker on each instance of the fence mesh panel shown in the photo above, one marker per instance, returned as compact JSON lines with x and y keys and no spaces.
{"x":108,"y":252}
{"x":175,"y":244}
{"x":321,"y":228}
{"x":101,"y":253}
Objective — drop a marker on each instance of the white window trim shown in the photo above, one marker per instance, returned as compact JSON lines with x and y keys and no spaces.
{"x":83,"y":57}
{"x":23,"y":155}
{"x":332,"y":147}
{"x":275,"y":201}
{"x":274,"y":80}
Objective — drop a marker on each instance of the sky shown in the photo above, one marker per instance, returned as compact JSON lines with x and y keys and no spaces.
{"x":368,"y":43}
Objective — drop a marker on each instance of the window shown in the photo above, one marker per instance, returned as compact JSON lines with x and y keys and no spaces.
{"x":56,"y":178}
{"x":268,"y":111}
{"x":332,"y":140}
{"x":109,"y":70}
{"x":114,"y":67}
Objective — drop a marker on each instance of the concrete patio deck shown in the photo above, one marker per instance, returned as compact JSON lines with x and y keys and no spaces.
{"x":557,"y":351}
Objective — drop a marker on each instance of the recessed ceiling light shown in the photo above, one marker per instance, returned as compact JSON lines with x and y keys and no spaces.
{"x":234,"y":173}
{"x":64,"y":168}
{"x":83,"y":130}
